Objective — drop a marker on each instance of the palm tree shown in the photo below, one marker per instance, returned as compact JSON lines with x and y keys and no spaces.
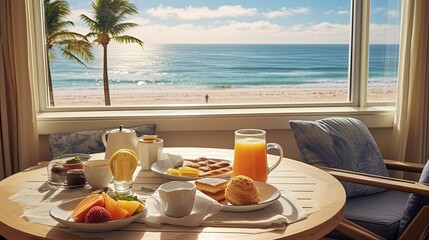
{"x":107,"y":25}
{"x":72,"y":45}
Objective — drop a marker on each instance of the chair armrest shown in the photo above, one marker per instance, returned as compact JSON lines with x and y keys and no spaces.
{"x":418,"y":226}
{"x":404,"y":166}
{"x":378,"y":181}
{"x":355,"y":231}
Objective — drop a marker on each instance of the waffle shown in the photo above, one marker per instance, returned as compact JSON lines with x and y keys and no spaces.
{"x":208,"y":167}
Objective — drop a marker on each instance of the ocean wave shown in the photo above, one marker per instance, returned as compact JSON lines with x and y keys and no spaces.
{"x":213,"y":66}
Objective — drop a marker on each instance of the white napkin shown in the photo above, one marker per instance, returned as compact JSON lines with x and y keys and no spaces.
{"x":173,"y":159}
{"x":282,"y":212}
{"x":40,"y":200}
{"x":204,"y":207}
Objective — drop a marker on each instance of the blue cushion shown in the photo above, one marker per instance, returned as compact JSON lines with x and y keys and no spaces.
{"x":86,"y":141}
{"x":340,"y":142}
{"x":415,"y":202}
{"x":372,"y":213}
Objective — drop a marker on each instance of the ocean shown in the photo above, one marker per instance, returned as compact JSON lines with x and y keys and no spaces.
{"x":203,"y":66}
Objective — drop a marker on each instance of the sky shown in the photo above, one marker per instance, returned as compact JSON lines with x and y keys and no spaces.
{"x":250,"y":21}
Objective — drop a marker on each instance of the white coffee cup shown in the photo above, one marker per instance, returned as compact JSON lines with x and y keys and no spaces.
{"x":149,"y":152}
{"x":97,"y":173}
{"x":177,"y":198}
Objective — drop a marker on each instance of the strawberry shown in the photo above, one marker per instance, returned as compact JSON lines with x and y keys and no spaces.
{"x":98,"y":214}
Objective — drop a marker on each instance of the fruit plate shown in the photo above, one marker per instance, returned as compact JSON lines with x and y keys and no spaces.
{"x":268,"y":194}
{"x":63,"y":211}
{"x":161,"y":167}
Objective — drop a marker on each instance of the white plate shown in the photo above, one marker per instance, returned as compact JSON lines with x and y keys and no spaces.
{"x":161,"y":167}
{"x":268,"y":194}
{"x":62,"y":213}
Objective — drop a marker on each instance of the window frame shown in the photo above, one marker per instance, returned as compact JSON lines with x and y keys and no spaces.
{"x":184,"y":117}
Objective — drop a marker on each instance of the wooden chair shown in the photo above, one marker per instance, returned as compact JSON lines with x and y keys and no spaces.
{"x":418,"y":225}
{"x":346,"y":143}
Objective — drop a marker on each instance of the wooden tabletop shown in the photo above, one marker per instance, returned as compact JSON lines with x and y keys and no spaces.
{"x":305,"y":181}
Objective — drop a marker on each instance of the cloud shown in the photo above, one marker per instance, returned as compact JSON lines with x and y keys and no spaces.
{"x":384,"y":34}
{"x":393,"y":14}
{"x":196,"y":13}
{"x":237,"y":31}
{"x":339,"y":12}
{"x":285,"y":12}
{"x":377,"y":10}
{"x":244,"y":32}
{"x":228,"y":32}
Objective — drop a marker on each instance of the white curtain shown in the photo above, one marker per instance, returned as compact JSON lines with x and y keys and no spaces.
{"x":411,"y":125}
{"x":19,"y":146}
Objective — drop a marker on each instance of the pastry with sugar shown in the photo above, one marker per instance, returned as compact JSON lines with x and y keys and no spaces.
{"x":212,"y":187}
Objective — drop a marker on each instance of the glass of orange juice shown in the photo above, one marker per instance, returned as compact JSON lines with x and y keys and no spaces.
{"x":123,"y":163}
{"x":250,"y":154}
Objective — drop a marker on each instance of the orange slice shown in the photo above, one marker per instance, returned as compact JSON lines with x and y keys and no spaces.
{"x":113,"y":207}
{"x":130,"y":206}
{"x":83,"y":207}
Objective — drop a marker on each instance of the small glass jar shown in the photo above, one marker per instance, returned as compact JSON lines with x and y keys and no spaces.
{"x":67,"y":170}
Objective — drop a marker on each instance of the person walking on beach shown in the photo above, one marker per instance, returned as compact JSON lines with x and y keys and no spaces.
{"x":207,"y":98}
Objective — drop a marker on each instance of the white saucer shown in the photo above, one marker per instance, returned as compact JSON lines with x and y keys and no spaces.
{"x":268,"y":194}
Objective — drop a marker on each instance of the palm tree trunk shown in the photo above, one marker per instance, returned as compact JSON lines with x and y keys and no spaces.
{"x":105,"y":77}
{"x":50,"y":88}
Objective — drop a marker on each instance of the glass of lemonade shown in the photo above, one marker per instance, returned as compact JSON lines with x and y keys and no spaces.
{"x":123,"y":163}
{"x":250,"y":154}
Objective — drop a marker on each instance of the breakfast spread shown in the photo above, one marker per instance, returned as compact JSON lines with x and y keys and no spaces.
{"x":241,"y":190}
{"x":102,"y":208}
{"x":212,"y":187}
{"x":201,"y":167}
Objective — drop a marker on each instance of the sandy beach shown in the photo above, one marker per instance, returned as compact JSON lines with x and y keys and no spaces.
{"x":215,"y":96}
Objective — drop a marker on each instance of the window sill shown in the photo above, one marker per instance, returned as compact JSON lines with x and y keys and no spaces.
{"x":207,"y":119}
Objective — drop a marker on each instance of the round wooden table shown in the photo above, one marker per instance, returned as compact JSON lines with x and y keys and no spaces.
{"x":305,"y":181}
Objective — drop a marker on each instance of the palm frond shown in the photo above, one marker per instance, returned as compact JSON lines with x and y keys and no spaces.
{"x":79,"y":51}
{"x":71,"y":56}
{"x":93,"y":25}
{"x":93,"y":35}
{"x":66,"y":35}
{"x":128,"y":39}
{"x":122,"y":27}
{"x":82,"y":49}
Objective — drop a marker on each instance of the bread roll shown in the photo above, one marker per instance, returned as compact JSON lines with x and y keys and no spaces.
{"x":241,"y":190}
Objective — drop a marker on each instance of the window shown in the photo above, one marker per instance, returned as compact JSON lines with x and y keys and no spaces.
{"x":220,"y":53}
{"x":320,"y":37}
{"x":383,"y":50}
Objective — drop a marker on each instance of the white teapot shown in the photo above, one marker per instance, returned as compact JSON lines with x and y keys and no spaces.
{"x":119,"y":138}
